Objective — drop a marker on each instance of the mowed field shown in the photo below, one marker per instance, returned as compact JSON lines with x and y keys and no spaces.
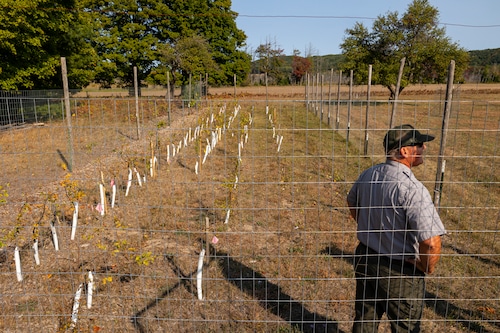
{"x":266,"y":204}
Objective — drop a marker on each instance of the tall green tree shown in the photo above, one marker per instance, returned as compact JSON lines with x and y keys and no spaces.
{"x":215,"y":22}
{"x":188,"y":58}
{"x":34,"y":34}
{"x":414,"y":36}
{"x":135,"y":33}
{"x":126,"y":35}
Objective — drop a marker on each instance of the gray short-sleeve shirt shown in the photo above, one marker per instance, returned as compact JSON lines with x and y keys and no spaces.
{"x":394,"y":210}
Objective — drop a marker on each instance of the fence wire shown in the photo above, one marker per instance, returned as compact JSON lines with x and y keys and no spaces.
{"x":227,"y":215}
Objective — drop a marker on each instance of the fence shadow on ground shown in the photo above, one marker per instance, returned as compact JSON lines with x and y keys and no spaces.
{"x":440,"y":306}
{"x":275,"y":301}
{"x":269,"y":295}
{"x":474,"y":256}
{"x":272,"y":298}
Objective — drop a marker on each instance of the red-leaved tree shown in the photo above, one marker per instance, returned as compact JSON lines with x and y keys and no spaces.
{"x":300,"y":66}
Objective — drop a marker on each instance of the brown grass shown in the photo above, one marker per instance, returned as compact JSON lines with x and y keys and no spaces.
{"x":283,"y":261}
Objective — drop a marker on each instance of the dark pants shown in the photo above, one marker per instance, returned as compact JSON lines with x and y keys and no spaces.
{"x":387,"y":286}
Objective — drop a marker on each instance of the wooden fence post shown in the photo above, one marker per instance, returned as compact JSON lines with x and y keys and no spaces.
{"x":349,"y":106}
{"x":330,"y":96}
{"x":169,"y":97}
{"x":396,"y":93}
{"x":67,"y":107}
{"x":136,"y":93}
{"x":444,"y":131}
{"x":337,"y":124}
{"x":368,"y":91}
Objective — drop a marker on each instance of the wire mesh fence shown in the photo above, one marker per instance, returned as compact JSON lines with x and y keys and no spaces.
{"x":228,"y":215}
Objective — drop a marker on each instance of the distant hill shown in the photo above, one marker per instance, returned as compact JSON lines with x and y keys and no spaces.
{"x":320,"y":63}
{"x":484,"y":65}
{"x":486,"y":57}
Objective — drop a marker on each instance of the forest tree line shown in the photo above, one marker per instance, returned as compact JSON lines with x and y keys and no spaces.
{"x":173,"y":41}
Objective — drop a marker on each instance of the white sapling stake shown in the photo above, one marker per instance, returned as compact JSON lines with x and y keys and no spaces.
{"x":129,"y":182}
{"x":207,"y":150}
{"x":153,"y":160}
{"x":76,"y":305}
{"x":214,"y":140}
{"x":75,"y":221}
{"x":279,"y":145}
{"x":195,"y":135}
{"x":199,"y":275}
{"x":90,"y":289}
{"x":113,"y":193}
{"x":196,"y":168}
{"x":274,"y":132}
{"x":17,"y":260}
{"x":37,"y":255}
{"x":155,"y":163}
{"x":138,"y":177}
{"x":227,"y":216}
{"x":103,"y":196}
{"x":168,"y":154}
{"x":173,"y":150}
{"x":54,"y":236}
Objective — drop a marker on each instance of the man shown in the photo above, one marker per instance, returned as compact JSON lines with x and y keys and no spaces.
{"x":399,"y":233}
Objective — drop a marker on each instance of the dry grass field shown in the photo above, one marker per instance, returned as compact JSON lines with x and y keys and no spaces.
{"x":267,"y":205}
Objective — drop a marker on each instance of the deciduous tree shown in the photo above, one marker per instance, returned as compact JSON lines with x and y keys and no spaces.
{"x":270,"y":60}
{"x":415,"y":36}
{"x":127,"y":35}
{"x":300,"y":66}
{"x":187,"y":57}
{"x":34,"y":34}
{"x":216,"y":23}
{"x":135,"y":33}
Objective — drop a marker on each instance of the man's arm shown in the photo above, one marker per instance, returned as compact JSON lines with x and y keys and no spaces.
{"x":430,"y":251}
{"x":353,"y":211}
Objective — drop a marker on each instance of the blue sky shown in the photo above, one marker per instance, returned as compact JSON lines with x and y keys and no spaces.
{"x":318,"y":26}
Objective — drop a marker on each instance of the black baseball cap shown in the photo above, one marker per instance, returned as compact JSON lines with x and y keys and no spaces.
{"x":404,"y":135}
